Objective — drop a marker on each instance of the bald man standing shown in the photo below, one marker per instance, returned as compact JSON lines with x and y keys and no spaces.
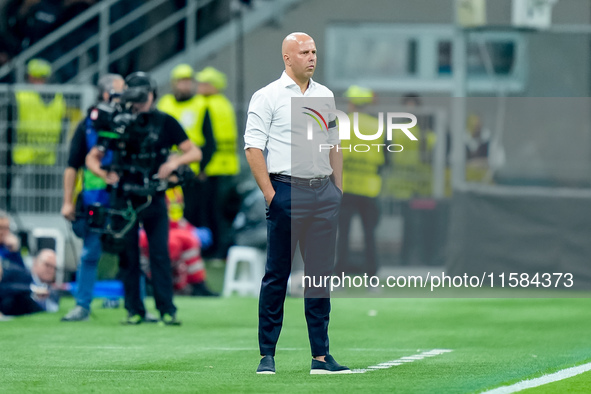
{"x":302,"y":209}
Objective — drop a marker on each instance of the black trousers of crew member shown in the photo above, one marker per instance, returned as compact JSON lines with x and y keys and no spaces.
{"x":368,"y":210}
{"x":155,"y":222}
{"x":195,"y":196}
{"x":203,"y":208}
{"x":309,"y":216}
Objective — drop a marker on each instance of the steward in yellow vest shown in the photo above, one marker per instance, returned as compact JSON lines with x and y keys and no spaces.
{"x":223,"y":121}
{"x":362,"y":184}
{"x":412,"y":174}
{"x":39,"y":128}
{"x":187,"y":108}
{"x":225,"y":163}
{"x":361,"y":169}
{"x":39,"y":123}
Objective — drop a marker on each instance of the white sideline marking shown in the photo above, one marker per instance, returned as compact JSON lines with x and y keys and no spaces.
{"x":95,"y":347}
{"x":553,"y":377}
{"x":133,"y":371}
{"x":402,"y":360}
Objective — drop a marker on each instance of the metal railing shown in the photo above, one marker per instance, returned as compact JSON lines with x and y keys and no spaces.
{"x":30,"y":186}
{"x":102,"y":11}
{"x":102,"y":38}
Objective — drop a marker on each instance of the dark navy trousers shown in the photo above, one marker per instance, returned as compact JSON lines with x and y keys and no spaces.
{"x":308,"y":216}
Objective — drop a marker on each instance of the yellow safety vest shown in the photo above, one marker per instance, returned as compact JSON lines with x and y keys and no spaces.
{"x":175,"y":202}
{"x":412,"y":175}
{"x":38,"y":129}
{"x":223,"y":122}
{"x":361,"y":169}
{"x":187,"y":113}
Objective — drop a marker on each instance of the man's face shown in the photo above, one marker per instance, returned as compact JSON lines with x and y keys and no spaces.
{"x":45,"y":267}
{"x":183,"y":88}
{"x":4,"y":229}
{"x":206,"y":89}
{"x":118,"y":86}
{"x":301,"y":58}
{"x":36,"y":80}
{"x":143,"y":107}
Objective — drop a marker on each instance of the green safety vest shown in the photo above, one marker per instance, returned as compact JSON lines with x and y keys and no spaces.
{"x":361,"y":169}
{"x":39,"y":128}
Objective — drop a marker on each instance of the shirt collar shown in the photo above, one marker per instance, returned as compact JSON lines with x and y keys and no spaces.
{"x":286,"y":81}
{"x":36,"y":279}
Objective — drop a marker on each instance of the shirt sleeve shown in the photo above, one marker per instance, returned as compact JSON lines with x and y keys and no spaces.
{"x":78,"y":148}
{"x":174,"y":131}
{"x":258,"y":122}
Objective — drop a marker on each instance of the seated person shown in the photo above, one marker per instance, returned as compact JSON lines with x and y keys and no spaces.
{"x":23,"y":292}
{"x":185,"y":256}
{"x":9,"y":244}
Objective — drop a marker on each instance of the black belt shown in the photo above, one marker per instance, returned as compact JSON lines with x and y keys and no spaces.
{"x":310,"y":182}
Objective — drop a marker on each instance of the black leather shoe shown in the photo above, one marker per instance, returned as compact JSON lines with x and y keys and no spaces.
{"x":329,"y":367}
{"x":266,"y":366}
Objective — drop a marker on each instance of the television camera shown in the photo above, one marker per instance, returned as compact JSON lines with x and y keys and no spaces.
{"x":131,"y":141}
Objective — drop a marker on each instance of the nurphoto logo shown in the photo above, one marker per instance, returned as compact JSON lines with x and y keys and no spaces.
{"x":344,"y":124}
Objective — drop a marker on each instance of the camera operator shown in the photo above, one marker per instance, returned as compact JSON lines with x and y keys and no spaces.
{"x":154,"y":218}
{"x":110,"y":87}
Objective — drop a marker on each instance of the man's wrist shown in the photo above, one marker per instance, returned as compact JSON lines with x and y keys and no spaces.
{"x":176,"y":161}
{"x":269,"y":194}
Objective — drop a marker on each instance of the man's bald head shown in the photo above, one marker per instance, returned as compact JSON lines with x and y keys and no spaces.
{"x":299,"y":56}
{"x":44,"y":265}
{"x":293,"y":40}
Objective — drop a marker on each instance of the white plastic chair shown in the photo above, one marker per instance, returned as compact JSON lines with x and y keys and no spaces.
{"x":245,"y":281}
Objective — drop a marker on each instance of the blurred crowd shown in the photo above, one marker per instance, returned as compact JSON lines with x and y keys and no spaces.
{"x":23,"y":23}
{"x":26,"y":22}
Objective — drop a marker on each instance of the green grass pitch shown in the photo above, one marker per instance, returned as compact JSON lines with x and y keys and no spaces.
{"x":495,"y":342}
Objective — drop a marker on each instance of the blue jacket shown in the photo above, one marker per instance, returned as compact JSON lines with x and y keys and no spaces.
{"x":13,"y":257}
{"x":98,"y":195}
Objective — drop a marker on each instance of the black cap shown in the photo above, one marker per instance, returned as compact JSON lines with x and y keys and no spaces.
{"x":139,"y":84}
{"x":140,"y":79}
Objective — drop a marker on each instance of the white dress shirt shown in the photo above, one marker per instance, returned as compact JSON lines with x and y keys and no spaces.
{"x":269,"y":126}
